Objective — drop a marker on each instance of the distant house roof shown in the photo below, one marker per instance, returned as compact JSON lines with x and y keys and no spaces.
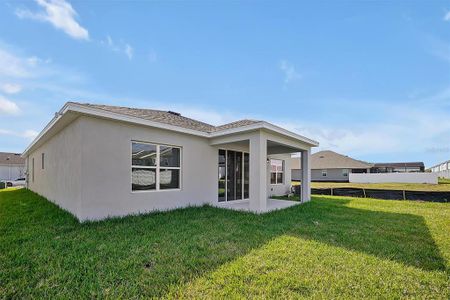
{"x":331,"y":160}
{"x":7,"y":158}
{"x":400,"y":165}
{"x":169,"y":117}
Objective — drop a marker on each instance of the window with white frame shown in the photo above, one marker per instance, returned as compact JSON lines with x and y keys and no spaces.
{"x":324,"y":173}
{"x":155,"y":167}
{"x":345,"y":172}
{"x":276,"y":171}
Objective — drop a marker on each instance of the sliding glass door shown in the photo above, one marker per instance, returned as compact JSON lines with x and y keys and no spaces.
{"x":233,"y":175}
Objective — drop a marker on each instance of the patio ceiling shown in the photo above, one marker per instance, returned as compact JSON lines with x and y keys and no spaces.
{"x":279,"y":148}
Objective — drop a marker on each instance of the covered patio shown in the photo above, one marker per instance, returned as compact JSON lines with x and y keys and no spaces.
{"x":262,"y":145}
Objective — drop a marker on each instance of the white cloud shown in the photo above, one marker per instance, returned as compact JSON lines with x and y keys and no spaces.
{"x":27,"y":134}
{"x":60,"y":14}
{"x":10,"y":88}
{"x":12,"y":66}
{"x":30,"y":134}
{"x":406,"y":128}
{"x":447,"y":16}
{"x":290,"y":74}
{"x":129,"y":51}
{"x":15,"y":65}
{"x":8,"y":107}
{"x":120,"y":47}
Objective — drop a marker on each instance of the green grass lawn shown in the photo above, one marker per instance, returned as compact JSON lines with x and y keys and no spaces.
{"x":443,"y":186}
{"x":328,"y":248}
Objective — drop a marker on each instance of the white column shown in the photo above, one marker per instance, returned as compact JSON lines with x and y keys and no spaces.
{"x":258,"y":173}
{"x":306,"y":176}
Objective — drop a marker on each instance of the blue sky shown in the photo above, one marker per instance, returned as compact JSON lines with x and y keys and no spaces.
{"x":365,"y":78}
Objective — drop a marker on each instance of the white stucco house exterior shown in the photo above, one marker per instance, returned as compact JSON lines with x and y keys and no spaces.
{"x":99,"y":161}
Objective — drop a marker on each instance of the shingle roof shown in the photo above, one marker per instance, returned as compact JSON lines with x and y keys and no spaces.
{"x":167,"y":117}
{"x":331,"y":160}
{"x":7,"y":158}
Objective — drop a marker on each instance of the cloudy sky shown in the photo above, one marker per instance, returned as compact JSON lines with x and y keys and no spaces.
{"x":367,"y":79}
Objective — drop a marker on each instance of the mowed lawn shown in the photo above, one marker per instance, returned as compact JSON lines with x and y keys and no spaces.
{"x":328,"y":248}
{"x":443,"y":186}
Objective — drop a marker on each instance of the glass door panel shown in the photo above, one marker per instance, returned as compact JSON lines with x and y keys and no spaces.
{"x":222,"y":174}
{"x":238,"y":175}
{"x":246,"y":175}
{"x":231,"y":176}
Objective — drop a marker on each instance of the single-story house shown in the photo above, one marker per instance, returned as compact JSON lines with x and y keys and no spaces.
{"x":99,"y":161}
{"x":330,"y":166}
{"x":12,"y":166}
{"x":442,"y":169}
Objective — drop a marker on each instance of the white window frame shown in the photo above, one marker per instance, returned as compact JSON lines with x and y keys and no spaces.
{"x":324,"y":173}
{"x":345,"y":172}
{"x":276,"y":172}
{"x":157,"y":167}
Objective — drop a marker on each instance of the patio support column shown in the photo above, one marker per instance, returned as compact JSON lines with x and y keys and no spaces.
{"x":306,"y":176}
{"x":258,"y":173}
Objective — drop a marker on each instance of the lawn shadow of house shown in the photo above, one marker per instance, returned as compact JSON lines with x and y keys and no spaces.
{"x":157,"y":251}
{"x":400,"y":237}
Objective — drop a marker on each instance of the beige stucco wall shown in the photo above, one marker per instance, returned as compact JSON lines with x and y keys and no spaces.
{"x":106,"y":170}
{"x":60,"y":180}
{"x":88,"y":170}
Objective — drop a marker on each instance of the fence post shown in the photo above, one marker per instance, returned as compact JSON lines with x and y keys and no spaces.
{"x":404,"y":195}
{"x":364,"y":191}
{"x":331,"y":191}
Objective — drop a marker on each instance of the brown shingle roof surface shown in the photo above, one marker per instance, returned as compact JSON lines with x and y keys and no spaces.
{"x":331,"y":160}
{"x":169,"y":118}
{"x":7,"y":158}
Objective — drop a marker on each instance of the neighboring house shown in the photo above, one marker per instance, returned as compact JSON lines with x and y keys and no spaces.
{"x":399,"y":167}
{"x":98,"y":161}
{"x":330,"y":166}
{"x":12,"y":166}
{"x":442,"y":169}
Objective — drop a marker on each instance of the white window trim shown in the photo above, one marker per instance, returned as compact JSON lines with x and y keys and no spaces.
{"x":276,"y":172}
{"x":324,"y":172}
{"x":345,"y":172}
{"x":157,"y":168}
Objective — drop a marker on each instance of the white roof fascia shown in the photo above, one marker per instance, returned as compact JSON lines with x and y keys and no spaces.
{"x":268,"y":126}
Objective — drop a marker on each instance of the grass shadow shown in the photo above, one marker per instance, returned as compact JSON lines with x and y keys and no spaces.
{"x":395,"y":236}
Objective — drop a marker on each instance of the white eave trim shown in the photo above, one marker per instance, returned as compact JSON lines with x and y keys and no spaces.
{"x":73,"y":107}
{"x":267,"y":126}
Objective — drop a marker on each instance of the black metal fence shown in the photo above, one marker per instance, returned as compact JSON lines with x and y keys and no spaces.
{"x":380,"y":194}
